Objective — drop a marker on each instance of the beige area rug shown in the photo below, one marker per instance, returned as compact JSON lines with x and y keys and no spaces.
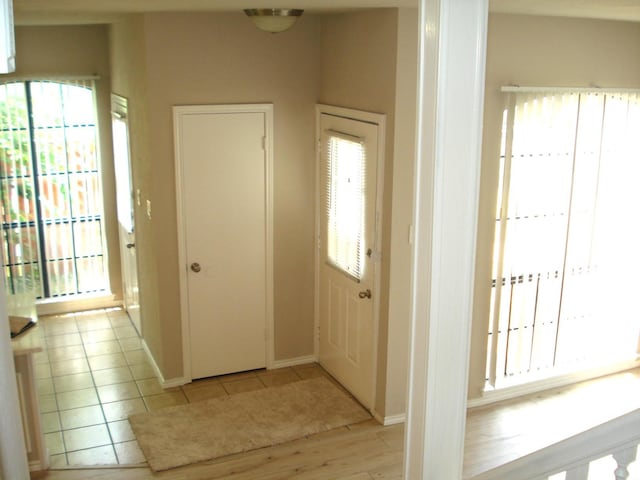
{"x":200,"y":431}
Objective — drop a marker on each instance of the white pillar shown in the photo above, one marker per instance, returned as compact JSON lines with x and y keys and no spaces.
{"x":578,"y":473}
{"x":13,"y":455}
{"x":624,"y":458}
{"x":451,"y":91}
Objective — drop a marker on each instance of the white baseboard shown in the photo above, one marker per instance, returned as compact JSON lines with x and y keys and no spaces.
{"x":508,"y":393}
{"x":174,"y":382}
{"x":170,"y":383}
{"x":292,"y":362}
{"x":58,"y":306}
{"x":395,"y":419}
{"x":36,"y":466}
{"x":152,"y":361}
{"x":390,"y":420}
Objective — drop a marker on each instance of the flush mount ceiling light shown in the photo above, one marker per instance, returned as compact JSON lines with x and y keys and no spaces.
{"x":273,"y":20}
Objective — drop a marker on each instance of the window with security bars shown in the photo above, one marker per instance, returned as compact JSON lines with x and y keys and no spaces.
{"x":566,"y":256}
{"x":50,"y":189}
{"x":345,"y":202}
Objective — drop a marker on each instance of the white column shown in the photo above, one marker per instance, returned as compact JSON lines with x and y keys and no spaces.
{"x":578,"y":473}
{"x":624,"y":458}
{"x":13,"y":455}
{"x":451,"y":91}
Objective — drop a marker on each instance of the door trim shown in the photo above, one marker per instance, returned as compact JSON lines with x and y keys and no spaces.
{"x":378,"y":119}
{"x":178,"y":113}
{"x":120,"y":111}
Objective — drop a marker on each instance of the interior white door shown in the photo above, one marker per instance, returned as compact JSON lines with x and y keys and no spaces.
{"x":222,"y":161}
{"x":125,"y":206}
{"x":348,"y":252}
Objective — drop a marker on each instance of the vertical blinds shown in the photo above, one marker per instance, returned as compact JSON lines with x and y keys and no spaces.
{"x":345,"y":202}
{"x":566,"y":262}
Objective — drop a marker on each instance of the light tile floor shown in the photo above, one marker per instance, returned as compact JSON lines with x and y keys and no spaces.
{"x":93,"y":373}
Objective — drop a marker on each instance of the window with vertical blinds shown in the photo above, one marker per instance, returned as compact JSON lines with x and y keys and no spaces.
{"x":566,"y":256}
{"x":50,"y":189}
{"x":345,"y":202}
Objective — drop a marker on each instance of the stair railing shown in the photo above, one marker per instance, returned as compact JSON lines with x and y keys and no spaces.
{"x":619,"y":437}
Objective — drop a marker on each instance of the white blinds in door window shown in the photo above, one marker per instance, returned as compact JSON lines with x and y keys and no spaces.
{"x":345,"y":202}
{"x":566,"y":256}
{"x":124,"y":196}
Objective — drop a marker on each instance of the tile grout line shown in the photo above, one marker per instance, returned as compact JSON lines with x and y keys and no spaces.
{"x":113,"y":443}
{"x":55,"y":397}
{"x":85,"y":338}
{"x":94,"y":387}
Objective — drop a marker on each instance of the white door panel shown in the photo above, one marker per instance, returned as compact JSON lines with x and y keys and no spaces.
{"x":347,"y":295}
{"x":125,"y":207}
{"x":224,"y":217}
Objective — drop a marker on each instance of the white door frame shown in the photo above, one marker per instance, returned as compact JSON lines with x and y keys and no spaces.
{"x":379,"y":120}
{"x":120,"y":111}
{"x":452,"y":61}
{"x":178,"y":112}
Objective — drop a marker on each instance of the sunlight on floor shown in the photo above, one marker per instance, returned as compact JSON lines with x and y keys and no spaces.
{"x":93,"y":373}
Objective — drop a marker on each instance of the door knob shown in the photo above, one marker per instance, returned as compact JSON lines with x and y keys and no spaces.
{"x":131,"y":245}
{"x":365,"y":294}
{"x":195,"y":267}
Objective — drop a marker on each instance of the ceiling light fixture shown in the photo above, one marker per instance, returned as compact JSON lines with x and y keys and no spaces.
{"x":273,"y":20}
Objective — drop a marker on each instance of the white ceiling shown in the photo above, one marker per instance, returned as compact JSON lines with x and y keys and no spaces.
{"x":628,"y":10}
{"x":92,"y":11}
{"x":36,"y":12}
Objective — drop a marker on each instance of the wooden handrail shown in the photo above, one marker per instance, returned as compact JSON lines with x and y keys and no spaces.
{"x":618,"y":434}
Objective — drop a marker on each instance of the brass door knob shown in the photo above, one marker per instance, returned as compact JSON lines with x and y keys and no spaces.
{"x":195,"y":267}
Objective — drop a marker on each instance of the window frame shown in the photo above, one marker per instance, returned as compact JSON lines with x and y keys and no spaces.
{"x":493,"y":363}
{"x":75,"y":182}
{"x":352,"y":262}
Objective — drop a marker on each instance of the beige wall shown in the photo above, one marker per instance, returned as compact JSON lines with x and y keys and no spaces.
{"x":217,"y":59}
{"x":129,"y":80}
{"x":78,"y":50}
{"x":538,"y":51}
{"x":358,"y":70}
{"x":402,"y":213}
{"x":351,"y":60}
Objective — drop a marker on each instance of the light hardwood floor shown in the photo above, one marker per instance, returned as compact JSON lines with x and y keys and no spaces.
{"x":499,"y":433}
{"x":367,"y":451}
{"x":359,"y":452}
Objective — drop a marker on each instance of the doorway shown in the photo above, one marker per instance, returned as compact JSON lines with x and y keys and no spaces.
{"x":223,"y":175}
{"x":350,"y":162}
{"x":125,"y":208}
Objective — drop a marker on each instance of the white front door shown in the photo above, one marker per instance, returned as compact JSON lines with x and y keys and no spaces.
{"x":349,"y":248}
{"x":223,"y":190}
{"x":125,"y":206}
